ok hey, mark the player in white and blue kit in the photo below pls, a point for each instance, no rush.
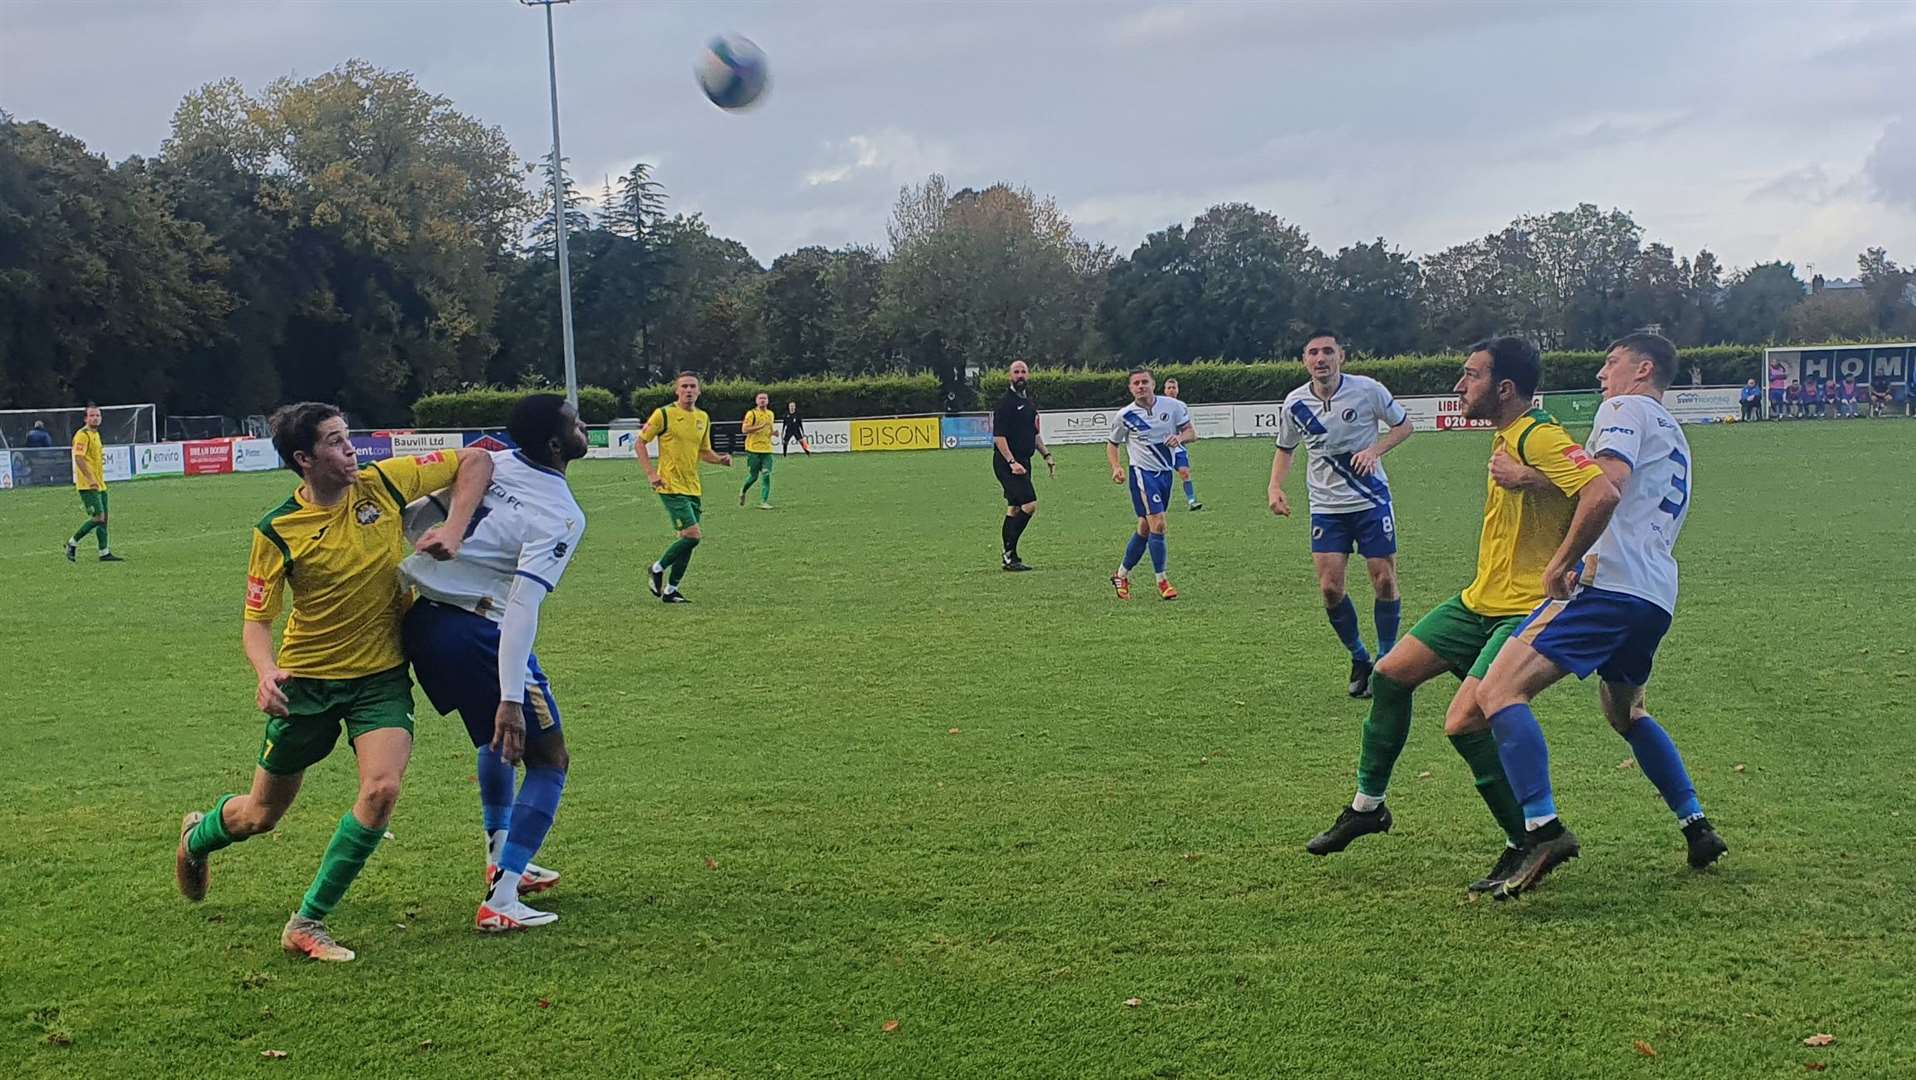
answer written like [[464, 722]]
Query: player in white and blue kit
[[1181, 458], [1612, 590], [469, 636], [1153, 429], [1337, 416]]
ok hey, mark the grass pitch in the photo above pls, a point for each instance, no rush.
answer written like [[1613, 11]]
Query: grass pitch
[[867, 777]]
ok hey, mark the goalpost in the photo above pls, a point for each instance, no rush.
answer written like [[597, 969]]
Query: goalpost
[[118, 424]]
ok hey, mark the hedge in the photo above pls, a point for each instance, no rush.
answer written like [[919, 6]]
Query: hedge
[[1407, 376], [489, 408], [876, 395]]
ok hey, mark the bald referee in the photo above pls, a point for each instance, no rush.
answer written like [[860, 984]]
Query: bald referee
[[1014, 437]]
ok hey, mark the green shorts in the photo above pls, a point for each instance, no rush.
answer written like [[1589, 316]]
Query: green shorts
[[1464, 639], [95, 503], [758, 462], [683, 509], [316, 709]]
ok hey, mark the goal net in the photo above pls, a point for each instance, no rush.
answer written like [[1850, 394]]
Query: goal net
[[118, 424]]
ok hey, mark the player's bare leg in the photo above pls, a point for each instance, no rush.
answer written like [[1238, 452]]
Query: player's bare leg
[[383, 755]]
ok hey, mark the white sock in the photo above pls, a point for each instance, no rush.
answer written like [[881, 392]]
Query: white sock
[[657, 569], [1163, 577], [504, 891], [1531, 824], [1365, 804], [1122, 574], [495, 843], [671, 588]]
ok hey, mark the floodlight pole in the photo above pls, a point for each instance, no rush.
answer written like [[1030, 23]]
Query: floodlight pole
[[558, 209]]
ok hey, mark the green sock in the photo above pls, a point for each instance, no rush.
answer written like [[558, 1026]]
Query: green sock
[[210, 834], [1479, 751], [765, 487], [685, 560], [102, 534], [84, 529], [671, 557], [352, 845], [1385, 730]]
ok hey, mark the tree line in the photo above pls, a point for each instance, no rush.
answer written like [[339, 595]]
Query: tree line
[[354, 237]]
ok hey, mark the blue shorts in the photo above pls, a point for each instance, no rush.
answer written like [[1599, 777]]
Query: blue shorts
[[1150, 491], [1371, 533], [455, 659], [1181, 458], [1612, 634]]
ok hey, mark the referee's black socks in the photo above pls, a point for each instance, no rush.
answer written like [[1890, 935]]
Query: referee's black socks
[[1014, 527]]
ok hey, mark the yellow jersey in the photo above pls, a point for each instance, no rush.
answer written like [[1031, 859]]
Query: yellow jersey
[[342, 562], [88, 453], [759, 442], [1523, 529], [682, 436]]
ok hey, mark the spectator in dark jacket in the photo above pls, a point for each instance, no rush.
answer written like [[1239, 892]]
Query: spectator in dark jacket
[[39, 437]]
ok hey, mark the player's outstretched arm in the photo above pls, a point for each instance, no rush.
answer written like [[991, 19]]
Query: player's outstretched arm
[[469, 484]]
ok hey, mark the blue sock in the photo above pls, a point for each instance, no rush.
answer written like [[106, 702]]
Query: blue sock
[[1344, 621], [1658, 758], [495, 789], [531, 817], [1133, 551], [1190, 492], [1526, 759], [1388, 614], [1156, 544]]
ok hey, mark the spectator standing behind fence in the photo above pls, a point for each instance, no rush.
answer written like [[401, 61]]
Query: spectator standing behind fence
[[1846, 399], [1696, 374], [39, 438], [1779, 380], [1751, 399]]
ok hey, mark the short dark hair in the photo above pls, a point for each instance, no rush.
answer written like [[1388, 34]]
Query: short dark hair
[[1653, 347], [535, 420], [693, 375], [92, 404], [295, 429], [1512, 358], [1137, 371], [1322, 332]]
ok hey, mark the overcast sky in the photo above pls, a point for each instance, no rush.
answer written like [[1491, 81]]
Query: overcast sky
[[1762, 131]]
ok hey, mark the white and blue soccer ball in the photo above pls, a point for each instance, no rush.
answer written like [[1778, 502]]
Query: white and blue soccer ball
[[731, 71]]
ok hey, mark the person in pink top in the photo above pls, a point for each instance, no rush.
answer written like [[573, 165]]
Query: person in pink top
[[1779, 384]]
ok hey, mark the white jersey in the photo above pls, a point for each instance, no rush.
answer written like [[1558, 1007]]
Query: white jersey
[[1334, 430], [1145, 431], [1635, 554], [528, 525]]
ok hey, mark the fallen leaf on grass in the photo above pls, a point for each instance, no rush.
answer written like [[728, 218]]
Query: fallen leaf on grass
[[1132, 1003], [1204, 761], [1645, 1048], [1739, 768], [711, 863], [272, 1055], [545, 1003], [1815, 1066], [1819, 1039], [389, 834], [1627, 763], [888, 1026], [1192, 856], [426, 1045], [951, 731], [59, 1038], [1425, 775]]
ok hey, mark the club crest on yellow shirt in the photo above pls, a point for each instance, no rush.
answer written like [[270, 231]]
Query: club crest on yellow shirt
[[366, 511]]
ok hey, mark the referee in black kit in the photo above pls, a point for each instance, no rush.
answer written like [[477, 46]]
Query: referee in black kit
[[1014, 436]]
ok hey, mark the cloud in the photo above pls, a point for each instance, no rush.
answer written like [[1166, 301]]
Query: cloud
[[891, 154], [1891, 168]]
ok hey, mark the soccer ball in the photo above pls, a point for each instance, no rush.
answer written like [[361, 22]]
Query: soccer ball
[[731, 71]]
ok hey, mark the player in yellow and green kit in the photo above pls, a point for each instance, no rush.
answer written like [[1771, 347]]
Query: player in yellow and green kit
[[336, 543], [89, 478], [684, 434], [1521, 532], [757, 429]]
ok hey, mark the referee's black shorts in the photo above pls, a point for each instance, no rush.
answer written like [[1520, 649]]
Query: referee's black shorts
[[1018, 489]]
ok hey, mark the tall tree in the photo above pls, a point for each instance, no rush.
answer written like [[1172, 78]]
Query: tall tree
[[541, 239], [1375, 299], [1757, 304]]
